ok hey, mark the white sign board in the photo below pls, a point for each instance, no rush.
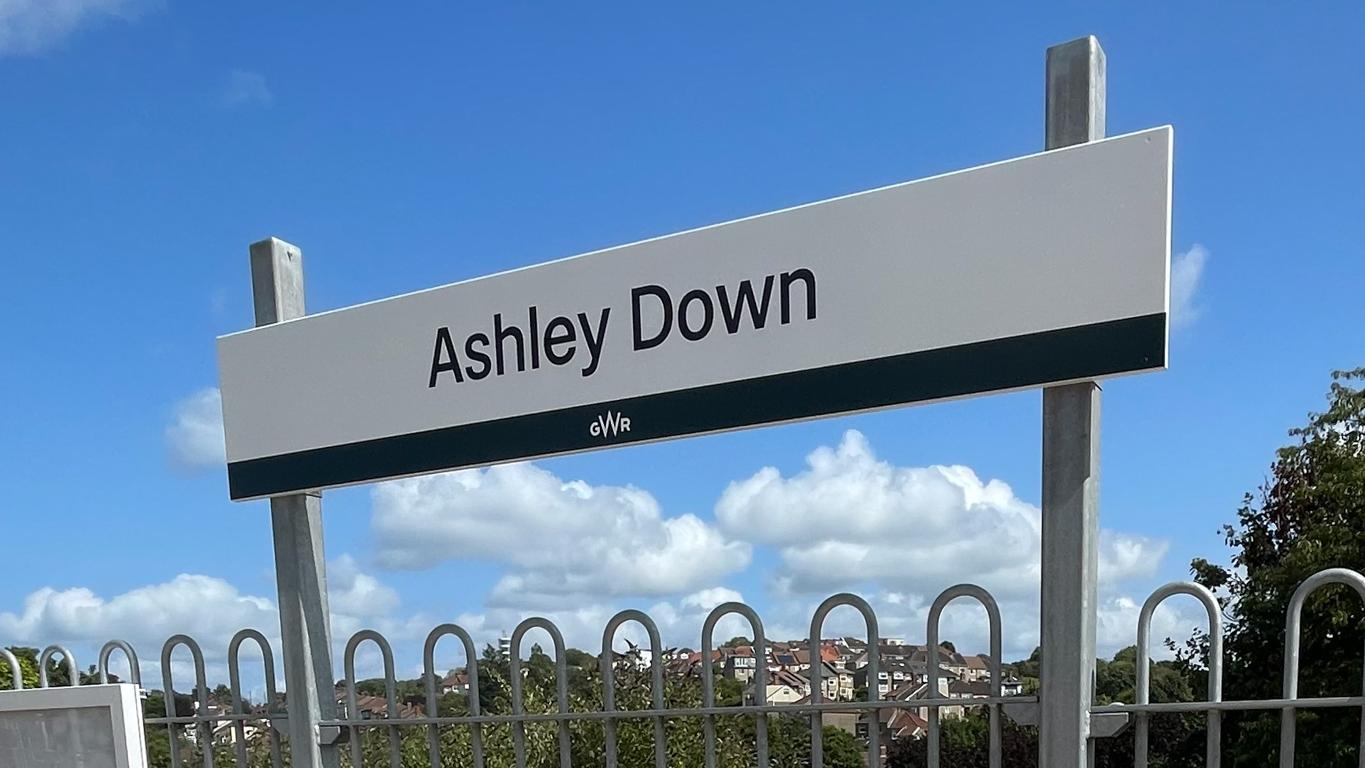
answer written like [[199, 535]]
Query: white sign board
[[88, 726], [1039, 270]]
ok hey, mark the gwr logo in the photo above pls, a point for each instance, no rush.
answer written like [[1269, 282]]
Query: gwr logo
[[609, 425]]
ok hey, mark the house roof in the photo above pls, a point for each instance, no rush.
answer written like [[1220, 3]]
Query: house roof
[[908, 691], [978, 688], [943, 673], [904, 723], [682, 667], [789, 679]]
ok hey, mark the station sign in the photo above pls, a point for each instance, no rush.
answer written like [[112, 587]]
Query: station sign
[[1041, 270]]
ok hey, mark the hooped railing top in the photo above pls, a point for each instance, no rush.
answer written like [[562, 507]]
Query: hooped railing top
[[1215, 704], [1292, 631], [200, 686], [15, 670], [472, 683], [817, 625], [134, 670], [607, 660], [239, 726], [931, 642], [1213, 739], [72, 668], [390, 692], [708, 685], [561, 688]]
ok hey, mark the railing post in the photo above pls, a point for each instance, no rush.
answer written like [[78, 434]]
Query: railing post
[[296, 522], [1071, 463]]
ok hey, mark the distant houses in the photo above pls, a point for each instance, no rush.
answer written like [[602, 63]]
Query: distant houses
[[455, 682], [793, 673], [845, 673], [377, 708]]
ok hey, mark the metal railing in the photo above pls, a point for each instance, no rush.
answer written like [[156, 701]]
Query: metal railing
[[204, 721], [1214, 705], [973, 592], [351, 725], [609, 716]]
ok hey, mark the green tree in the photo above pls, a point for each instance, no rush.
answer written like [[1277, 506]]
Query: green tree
[[789, 737], [28, 663], [1116, 679], [159, 736], [1307, 516], [789, 744], [964, 742], [1176, 741], [729, 692], [842, 749]]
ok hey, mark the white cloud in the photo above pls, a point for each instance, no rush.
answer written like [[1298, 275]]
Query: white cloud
[[354, 593], [1187, 269], [207, 608], [1117, 620], [851, 518], [852, 521], [31, 26], [244, 88], [564, 539], [1125, 557], [195, 436], [708, 599], [849, 521]]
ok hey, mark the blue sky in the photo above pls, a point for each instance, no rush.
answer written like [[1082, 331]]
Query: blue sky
[[145, 145]]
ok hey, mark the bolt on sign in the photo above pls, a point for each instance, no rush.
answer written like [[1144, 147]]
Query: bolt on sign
[[1041, 270]]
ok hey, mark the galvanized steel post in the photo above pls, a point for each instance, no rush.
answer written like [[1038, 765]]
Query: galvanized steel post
[[1071, 465], [296, 521]]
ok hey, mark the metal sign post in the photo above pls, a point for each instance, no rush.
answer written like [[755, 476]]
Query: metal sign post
[[296, 521], [1071, 466]]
